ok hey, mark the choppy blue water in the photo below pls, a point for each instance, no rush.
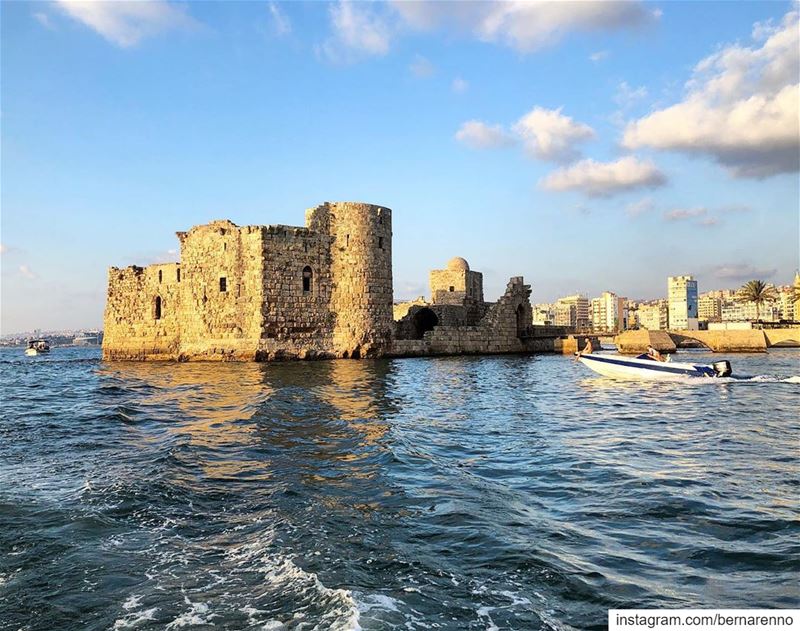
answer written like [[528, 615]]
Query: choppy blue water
[[456, 493]]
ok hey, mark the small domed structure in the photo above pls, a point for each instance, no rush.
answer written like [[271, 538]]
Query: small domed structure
[[457, 264]]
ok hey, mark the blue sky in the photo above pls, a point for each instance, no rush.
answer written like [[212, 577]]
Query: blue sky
[[586, 146]]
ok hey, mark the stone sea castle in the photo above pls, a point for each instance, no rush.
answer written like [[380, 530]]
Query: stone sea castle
[[261, 293]]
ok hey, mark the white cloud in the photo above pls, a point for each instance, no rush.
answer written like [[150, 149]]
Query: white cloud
[[599, 56], [459, 85], [281, 24], [736, 208], [644, 205], [679, 214], [479, 135], [421, 67], [604, 179], [742, 272], [126, 22], [627, 96], [358, 31], [44, 20], [3, 248], [26, 272], [703, 215], [525, 25], [742, 107], [549, 135]]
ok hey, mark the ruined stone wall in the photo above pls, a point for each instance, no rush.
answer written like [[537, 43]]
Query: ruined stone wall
[[279, 292], [400, 309], [512, 314], [635, 342], [361, 274], [222, 291], [408, 327], [502, 330], [142, 315], [296, 316]]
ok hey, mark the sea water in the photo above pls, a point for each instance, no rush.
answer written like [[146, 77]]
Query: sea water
[[502, 492]]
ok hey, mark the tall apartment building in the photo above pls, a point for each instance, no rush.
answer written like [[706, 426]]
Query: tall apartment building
[[709, 308], [653, 316], [577, 306], [609, 312], [682, 297], [564, 315], [786, 302], [796, 296], [543, 313]]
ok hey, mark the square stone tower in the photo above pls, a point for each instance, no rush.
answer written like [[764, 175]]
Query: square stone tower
[[456, 285]]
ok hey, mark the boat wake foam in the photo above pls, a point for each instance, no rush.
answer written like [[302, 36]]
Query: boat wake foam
[[761, 379]]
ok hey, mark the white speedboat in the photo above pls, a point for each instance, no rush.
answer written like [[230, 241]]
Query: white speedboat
[[645, 367], [37, 347]]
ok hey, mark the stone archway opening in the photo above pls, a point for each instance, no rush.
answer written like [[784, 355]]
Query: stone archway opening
[[522, 325], [690, 342], [423, 320]]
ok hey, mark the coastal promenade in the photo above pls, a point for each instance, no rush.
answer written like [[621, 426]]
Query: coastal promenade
[[727, 341]]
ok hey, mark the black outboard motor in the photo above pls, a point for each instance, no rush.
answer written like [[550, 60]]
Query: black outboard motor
[[722, 368]]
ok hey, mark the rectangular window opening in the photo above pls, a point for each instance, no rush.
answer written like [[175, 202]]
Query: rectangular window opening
[[223, 283], [452, 288], [178, 274], [380, 242]]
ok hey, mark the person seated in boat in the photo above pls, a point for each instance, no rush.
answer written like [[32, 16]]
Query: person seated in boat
[[589, 348], [654, 354]]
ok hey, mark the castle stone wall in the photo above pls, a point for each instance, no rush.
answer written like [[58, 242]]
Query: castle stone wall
[[222, 289], [361, 272], [400, 309], [132, 329], [261, 292], [274, 292], [504, 328], [296, 320], [466, 286]]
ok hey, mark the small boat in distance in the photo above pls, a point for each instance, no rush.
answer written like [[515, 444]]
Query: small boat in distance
[[645, 367], [37, 347]]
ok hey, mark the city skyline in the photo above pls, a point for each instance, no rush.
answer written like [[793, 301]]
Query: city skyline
[[121, 127], [682, 307]]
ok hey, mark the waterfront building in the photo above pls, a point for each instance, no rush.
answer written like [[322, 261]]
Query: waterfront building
[[750, 312], [261, 291], [682, 296], [564, 314], [578, 310], [796, 294], [785, 302], [609, 313], [543, 314], [709, 308], [273, 292], [653, 316]]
